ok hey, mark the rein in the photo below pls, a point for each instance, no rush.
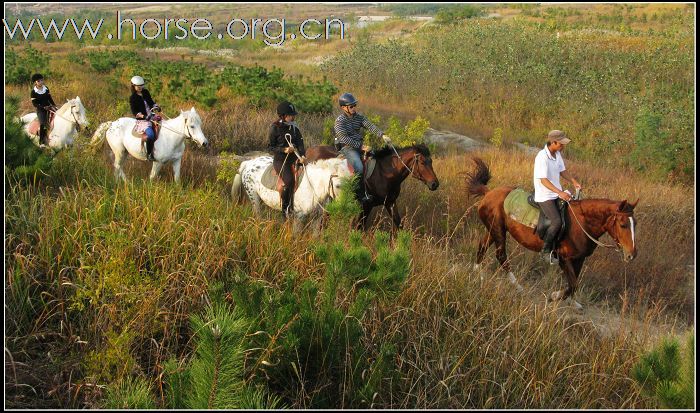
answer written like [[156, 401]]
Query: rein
[[415, 159], [331, 190], [187, 135], [75, 120], [584, 231]]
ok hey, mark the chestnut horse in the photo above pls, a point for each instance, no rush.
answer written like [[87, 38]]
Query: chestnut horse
[[589, 219], [390, 171]]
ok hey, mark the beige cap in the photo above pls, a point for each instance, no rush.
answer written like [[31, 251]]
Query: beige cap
[[558, 136]]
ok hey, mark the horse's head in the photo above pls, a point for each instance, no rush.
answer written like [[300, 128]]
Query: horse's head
[[621, 227], [422, 168], [339, 170], [76, 112], [193, 127]]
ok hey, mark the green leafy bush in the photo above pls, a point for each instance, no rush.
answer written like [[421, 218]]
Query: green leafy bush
[[24, 161], [667, 375], [19, 67]]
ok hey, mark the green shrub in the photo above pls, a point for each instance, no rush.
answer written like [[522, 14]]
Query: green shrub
[[667, 375], [24, 161], [312, 346], [129, 393]]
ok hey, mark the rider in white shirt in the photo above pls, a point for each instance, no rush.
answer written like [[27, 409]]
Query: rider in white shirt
[[549, 166]]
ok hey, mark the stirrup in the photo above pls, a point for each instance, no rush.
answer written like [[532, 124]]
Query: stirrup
[[150, 157], [550, 257]]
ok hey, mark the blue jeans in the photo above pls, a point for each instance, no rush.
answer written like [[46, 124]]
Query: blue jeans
[[150, 133], [353, 155]]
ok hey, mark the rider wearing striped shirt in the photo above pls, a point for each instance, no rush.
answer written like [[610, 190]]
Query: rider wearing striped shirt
[[349, 139]]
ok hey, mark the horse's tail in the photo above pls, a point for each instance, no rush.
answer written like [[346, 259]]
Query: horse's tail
[[98, 137], [477, 180], [237, 189]]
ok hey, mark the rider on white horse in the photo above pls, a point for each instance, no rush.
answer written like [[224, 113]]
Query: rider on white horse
[[43, 102], [143, 107], [283, 133]]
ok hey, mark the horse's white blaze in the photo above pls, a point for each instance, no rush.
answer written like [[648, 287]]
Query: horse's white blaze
[[321, 182], [632, 230]]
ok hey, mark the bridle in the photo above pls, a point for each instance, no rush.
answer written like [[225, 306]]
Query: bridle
[[187, 133], [75, 120], [577, 197], [415, 161]]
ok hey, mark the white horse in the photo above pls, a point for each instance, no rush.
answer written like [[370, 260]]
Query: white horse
[[68, 120], [169, 147], [320, 183]]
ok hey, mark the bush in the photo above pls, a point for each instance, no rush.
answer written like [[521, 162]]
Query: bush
[[667, 375], [24, 161], [19, 68], [312, 348]]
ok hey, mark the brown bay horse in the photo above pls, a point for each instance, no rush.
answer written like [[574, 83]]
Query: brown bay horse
[[390, 171], [593, 216]]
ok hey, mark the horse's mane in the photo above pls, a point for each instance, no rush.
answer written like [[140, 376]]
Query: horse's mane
[[387, 150], [64, 108]]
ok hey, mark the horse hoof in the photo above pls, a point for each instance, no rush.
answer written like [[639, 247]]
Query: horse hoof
[[556, 296], [576, 306]]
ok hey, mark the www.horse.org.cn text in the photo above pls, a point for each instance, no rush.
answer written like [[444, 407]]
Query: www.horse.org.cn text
[[274, 32]]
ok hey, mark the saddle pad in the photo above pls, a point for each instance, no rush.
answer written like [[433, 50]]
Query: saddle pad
[[269, 178], [518, 209], [369, 167], [141, 126], [33, 127]]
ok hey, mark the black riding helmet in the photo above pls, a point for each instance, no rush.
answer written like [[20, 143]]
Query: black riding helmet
[[347, 99], [36, 77], [286, 108]]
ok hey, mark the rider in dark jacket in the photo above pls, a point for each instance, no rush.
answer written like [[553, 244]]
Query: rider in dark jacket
[[143, 107], [283, 132], [43, 102]]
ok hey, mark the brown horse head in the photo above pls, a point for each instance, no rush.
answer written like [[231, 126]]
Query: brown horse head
[[621, 227], [416, 159]]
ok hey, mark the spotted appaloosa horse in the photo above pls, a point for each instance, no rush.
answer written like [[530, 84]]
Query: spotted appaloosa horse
[[319, 185], [391, 170], [594, 216]]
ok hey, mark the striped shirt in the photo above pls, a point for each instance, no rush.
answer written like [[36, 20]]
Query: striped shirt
[[347, 130]]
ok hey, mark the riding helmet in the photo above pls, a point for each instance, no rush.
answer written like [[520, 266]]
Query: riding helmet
[[36, 77], [347, 99], [137, 81], [286, 108]]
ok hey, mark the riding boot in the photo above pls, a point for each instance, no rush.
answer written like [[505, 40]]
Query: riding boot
[[149, 150], [363, 196], [43, 135], [286, 202], [547, 252]]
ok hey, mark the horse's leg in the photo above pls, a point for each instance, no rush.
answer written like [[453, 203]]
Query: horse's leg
[[394, 213], [570, 268], [119, 156], [362, 220], [176, 169], [499, 237], [155, 169]]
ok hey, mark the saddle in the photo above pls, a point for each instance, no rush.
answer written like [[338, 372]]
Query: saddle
[[270, 178], [33, 127], [368, 160], [521, 207], [141, 126]]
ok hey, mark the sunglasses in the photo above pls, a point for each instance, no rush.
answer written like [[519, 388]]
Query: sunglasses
[[351, 106]]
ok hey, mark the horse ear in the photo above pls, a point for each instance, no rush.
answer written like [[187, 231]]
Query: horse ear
[[622, 206], [634, 204], [192, 110]]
